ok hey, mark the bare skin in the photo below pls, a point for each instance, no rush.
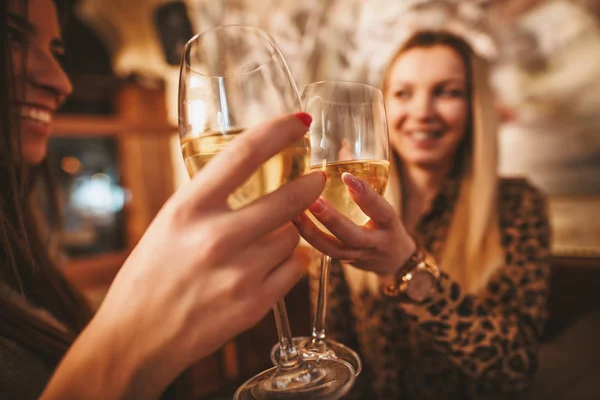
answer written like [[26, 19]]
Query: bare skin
[[427, 110]]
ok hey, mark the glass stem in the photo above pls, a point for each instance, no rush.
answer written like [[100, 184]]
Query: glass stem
[[318, 333], [288, 355]]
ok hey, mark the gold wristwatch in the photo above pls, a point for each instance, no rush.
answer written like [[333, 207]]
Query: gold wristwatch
[[416, 281]]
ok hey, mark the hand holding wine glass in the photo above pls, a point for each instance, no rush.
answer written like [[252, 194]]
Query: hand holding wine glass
[[350, 139], [381, 245], [201, 274], [349, 136], [233, 77]]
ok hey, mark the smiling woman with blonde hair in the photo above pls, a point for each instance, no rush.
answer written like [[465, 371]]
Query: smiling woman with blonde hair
[[443, 292], [473, 236]]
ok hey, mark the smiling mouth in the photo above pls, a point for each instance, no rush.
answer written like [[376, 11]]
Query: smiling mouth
[[426, 135], [36, 114]]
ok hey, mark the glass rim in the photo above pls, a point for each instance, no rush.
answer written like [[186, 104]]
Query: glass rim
[[275, 50], [369, 88]]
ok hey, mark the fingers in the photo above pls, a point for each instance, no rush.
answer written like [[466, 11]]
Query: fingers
[[324, 242], [280, 281], [238, 161], [271, 250], [277, 208], [370, 202], [338, 224]]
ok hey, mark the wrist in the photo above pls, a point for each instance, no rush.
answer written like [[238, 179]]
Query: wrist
[[408, 249], [416, 280]]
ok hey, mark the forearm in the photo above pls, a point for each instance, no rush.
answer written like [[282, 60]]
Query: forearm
[[107, 362]]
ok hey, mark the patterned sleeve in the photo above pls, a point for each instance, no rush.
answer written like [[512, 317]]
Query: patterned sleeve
[[493, 337]]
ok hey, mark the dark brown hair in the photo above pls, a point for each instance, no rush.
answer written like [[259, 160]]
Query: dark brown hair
[[26, 266]]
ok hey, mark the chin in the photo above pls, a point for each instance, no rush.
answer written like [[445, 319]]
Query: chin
[[424, 163], [426, 160], [34, 155], [34, 144]]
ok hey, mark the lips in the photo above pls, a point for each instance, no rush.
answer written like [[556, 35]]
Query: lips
[[37, 114], [426, 135], [36, 118], [424, 139]]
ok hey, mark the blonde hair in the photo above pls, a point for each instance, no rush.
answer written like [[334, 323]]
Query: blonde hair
[[472, 250]]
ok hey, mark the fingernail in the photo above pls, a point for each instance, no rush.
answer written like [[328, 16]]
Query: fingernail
[[352, 182], [304, 118], [317, 207], [319, 172], [299, 218]]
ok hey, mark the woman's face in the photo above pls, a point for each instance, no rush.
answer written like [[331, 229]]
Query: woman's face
[[427, 106], [42, 85]]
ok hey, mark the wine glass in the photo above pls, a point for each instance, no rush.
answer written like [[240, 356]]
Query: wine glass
[[233, 77], [349, 134]]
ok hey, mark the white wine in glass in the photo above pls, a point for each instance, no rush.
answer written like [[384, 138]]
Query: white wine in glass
[[374, 172], [233, 77], [349, 134], [280, 169]]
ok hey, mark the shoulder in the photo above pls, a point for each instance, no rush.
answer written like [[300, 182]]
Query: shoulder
[[22, 374], [519, 189], [517, 196], [523, 212]]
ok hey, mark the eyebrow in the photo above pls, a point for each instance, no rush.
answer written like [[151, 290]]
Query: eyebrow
[[23, 23], [445, 81], [57, 44]]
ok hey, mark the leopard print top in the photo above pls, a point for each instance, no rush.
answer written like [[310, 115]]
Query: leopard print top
[[456, 345]]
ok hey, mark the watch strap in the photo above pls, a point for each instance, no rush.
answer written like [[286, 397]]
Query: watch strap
[[420, 259]]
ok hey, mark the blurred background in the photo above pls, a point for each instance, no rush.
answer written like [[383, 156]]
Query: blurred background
[[116, 150]]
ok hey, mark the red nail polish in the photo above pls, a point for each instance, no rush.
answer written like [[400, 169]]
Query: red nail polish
[[299, 219], [304, 118], [317, 207]]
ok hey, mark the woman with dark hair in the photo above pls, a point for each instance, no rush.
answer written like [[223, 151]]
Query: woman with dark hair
[[444, 291], [201, 274]]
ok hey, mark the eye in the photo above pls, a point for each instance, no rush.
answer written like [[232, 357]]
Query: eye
[[59, 53], [403, 94], [16, 36], [450, 92]]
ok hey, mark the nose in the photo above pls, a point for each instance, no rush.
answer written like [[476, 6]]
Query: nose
[[421, 106], [46, 73]]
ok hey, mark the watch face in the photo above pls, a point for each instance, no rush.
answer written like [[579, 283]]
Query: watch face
[[420, 285]]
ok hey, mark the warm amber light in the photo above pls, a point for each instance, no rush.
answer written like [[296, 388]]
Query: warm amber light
[[71, 165]]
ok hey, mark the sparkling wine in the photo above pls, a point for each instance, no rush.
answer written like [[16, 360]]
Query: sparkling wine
[[374, 172], [289, 164]]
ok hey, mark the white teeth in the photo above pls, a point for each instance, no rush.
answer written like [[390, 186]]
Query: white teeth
[[420, 135], [36, 114]]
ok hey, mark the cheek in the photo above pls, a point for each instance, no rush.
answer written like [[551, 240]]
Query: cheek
[[33, 147], [454, 115], [396, 114], [19, 73]]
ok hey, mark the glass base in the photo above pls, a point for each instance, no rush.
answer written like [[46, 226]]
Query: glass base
[[332, 350], [318, 380]]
